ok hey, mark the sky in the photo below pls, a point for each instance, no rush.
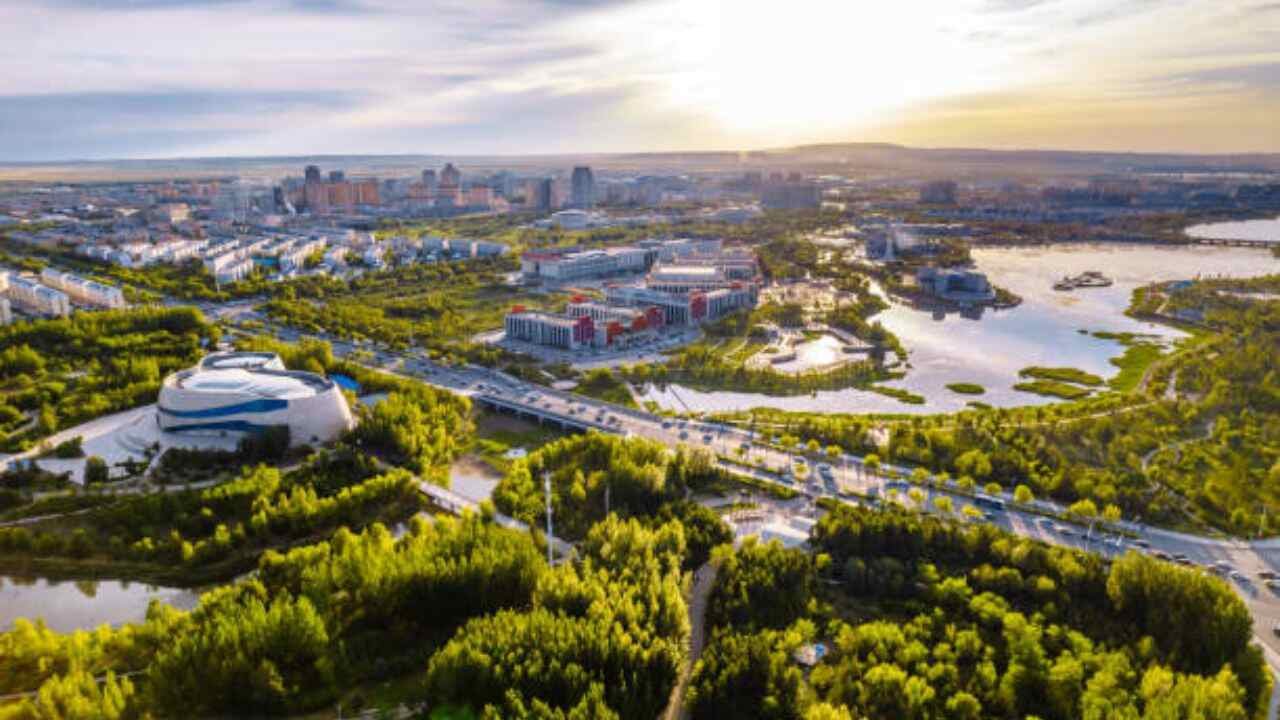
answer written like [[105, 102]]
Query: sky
[[96, 79]]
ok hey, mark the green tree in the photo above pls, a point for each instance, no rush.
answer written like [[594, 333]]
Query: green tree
[[96, 470], [1023, 495]]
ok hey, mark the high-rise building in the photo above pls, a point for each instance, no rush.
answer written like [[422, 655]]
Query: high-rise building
[[449, 191], [314, 196], [337, 193], [450, 176], [429, 182], [584, 188], [543, 194], [938, 192]]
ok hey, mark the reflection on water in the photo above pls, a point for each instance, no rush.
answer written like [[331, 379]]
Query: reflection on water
[[990, 350], [817, 353], [83, 604], [1264, 230]]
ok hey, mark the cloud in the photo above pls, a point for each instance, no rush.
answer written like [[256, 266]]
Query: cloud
[[1011, 6], [1258, 76], [304, 6], [74, 125]]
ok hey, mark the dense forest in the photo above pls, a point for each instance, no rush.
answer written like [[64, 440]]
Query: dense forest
[[919, 618], [595, 475], [59, 373], [314, 620], [467, 608]]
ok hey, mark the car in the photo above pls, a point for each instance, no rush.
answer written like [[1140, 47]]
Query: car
[[1064, 530], [1142, 544], [666, 425], [1162, 555], [1267, 575], [1273, 586], [684, 434], [707, 438], [1046, 523]]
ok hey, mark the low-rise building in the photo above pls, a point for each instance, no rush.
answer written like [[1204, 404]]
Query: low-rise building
[[82, 289], [36, 297], [237, 269], [963, 286], [6, 312], [583, 264], [559, 331]]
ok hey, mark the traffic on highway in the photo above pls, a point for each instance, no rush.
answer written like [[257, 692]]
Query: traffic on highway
[[1252, 568]]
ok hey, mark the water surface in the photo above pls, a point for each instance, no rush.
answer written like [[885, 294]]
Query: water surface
[[1258, 230], [990, 350], [83, 604]]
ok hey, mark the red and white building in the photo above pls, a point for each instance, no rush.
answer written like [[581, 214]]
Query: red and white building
[[559, 331]]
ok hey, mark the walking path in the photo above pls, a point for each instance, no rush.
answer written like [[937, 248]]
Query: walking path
[[704, 578]]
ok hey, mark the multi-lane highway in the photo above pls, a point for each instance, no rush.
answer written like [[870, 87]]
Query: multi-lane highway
[[1243, 564]]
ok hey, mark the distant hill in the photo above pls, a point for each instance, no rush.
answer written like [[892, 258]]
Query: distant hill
[[853, 158], [979, 161]]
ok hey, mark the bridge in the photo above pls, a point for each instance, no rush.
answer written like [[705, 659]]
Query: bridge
[[457, 504], [547, 415]]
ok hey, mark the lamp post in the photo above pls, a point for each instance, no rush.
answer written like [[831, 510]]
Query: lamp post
[[546, 488]]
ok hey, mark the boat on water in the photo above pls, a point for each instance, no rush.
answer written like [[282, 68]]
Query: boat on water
[[1089, 278], [1093, 278]]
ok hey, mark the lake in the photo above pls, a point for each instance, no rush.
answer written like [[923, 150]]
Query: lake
[[1264, 230], [83, 604], [990, 350]]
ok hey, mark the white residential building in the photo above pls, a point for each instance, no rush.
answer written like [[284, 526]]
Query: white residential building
[[83, 289], [335, 256], [6, 313], [237, 269], [34, 296]]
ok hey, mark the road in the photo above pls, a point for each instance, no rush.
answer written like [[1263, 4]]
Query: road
[[1242, 560]]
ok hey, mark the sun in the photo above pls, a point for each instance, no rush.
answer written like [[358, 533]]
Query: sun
[[801, 68]]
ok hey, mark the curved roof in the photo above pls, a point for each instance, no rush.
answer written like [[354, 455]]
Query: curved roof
[[280, 384], [223, 360]]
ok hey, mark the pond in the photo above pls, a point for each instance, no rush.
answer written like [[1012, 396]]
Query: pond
[[1257, 230], [991, 349], [345, 382], [83, 604]]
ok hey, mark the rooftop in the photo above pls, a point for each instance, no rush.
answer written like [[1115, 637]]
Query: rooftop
[[281, 384]]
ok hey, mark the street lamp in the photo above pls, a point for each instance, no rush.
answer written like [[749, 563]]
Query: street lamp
[[546, 488]]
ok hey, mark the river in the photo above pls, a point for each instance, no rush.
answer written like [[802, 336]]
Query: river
[[1263, 230], [990, 350], [83, 604]]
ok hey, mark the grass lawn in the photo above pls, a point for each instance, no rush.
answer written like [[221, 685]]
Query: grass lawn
[[1133, 364], [497, 433], [1061, 375], [602, 384], [1052, 388]]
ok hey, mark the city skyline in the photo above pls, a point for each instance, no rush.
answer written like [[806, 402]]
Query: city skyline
[[102, 79]]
